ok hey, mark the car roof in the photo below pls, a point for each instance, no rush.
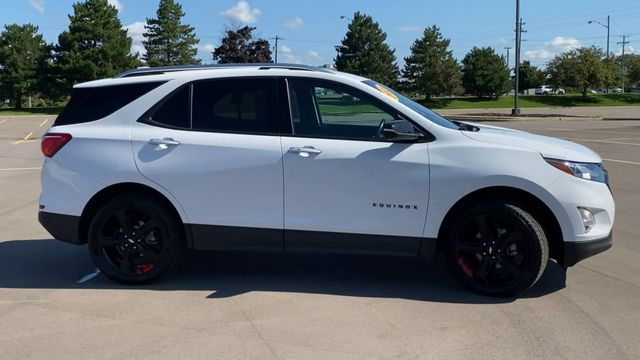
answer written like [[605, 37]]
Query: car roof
[[196, 72]]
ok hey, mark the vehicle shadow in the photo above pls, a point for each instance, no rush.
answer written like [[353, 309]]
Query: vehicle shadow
[[51, 264]]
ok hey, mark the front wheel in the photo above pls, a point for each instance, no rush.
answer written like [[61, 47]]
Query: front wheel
[[497, 249], [134, 239]]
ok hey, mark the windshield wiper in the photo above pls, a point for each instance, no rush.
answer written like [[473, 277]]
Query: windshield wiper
[[465, 127]]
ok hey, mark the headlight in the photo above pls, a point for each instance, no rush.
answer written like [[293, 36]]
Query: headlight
[[587, 171]]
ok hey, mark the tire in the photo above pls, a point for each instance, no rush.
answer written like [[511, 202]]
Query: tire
[[497, 249], [135, 239]]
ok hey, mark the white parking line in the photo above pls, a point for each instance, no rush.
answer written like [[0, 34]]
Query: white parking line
[[2, 121], [44, 122], [23, 140], [623, 161], [604, 141], [24, 168], [89, 276]]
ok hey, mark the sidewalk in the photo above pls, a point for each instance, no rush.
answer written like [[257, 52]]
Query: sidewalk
[[574, 113]]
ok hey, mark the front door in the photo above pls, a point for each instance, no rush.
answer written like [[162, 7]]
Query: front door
[[347, 187]]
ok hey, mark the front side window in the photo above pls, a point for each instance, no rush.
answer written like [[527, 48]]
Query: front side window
[[323, 109], [235, 105]]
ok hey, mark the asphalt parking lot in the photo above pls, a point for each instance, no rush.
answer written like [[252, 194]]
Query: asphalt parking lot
[[287, 306]]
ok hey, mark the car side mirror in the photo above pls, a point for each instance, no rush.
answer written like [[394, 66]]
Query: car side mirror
[[391, 134]]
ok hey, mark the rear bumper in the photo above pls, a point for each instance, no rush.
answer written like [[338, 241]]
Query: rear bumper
[[62, 227], [578, 251]]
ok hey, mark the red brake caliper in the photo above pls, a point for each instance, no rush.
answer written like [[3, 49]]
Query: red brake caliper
[[468, 270], [142, 269]]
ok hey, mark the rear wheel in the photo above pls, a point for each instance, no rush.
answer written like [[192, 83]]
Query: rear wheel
[[497, 249], [135, 239]]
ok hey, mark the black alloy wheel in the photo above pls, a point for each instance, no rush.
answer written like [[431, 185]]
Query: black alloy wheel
[[134, 239], [498, 249]]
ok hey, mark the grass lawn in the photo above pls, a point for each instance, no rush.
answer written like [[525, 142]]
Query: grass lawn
[[31, 111], [532, 101]]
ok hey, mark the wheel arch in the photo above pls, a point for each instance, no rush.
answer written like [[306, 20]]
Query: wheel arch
[[530, 202], [111, 191]]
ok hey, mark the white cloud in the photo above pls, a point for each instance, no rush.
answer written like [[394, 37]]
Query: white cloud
[[207, 48], [37, 5], [116, 3], [135, 32], [556, 46], [294, 23], [409, 28], [565, 44], [243, 13], [287, 55]]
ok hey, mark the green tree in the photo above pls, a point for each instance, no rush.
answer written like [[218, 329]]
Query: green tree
[[23, 52], [581, 69], [485, 73], [239, 46], [431, 68], [167, 40], [530, 76], [364, 52], [633, 69], [95, 46]]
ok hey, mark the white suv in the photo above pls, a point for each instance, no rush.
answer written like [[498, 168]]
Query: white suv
[[296, 158]]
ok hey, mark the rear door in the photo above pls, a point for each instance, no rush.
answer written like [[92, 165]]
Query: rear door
[[214, 145], [348, 188]]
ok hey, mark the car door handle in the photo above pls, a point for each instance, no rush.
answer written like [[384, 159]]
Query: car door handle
[[304, 149], [164, 141]]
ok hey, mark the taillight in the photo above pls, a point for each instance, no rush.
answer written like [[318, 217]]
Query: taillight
[[52, 142]]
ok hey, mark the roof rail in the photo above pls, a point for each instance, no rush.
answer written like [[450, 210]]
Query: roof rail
[[142, 71]]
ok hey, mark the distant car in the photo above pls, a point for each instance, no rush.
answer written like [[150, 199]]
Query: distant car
[[548, 90], [613, 90]]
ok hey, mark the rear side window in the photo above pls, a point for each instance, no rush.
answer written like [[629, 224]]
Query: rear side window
[[173, 112], [90, 104], [235, 105]]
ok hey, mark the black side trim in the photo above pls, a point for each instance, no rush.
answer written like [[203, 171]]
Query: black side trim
[[578, 251], [320, 241], [214, 237], [61, 227]]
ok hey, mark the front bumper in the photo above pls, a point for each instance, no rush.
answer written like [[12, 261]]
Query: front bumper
[[578, 251], [62, 227]]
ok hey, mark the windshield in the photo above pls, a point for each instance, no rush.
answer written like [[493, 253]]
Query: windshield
[[426, 113]]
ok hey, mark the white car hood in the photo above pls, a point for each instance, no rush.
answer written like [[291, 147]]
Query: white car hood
[[547, 146]]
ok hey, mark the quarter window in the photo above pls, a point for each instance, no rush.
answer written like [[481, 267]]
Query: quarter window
[[173, 112], [90, 104], [235, 105]]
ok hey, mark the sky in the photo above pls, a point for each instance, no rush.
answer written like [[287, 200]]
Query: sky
[[311, 28]]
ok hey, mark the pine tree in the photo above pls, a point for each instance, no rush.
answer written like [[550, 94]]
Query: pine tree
[[364, 51], [167, 40], [239, 46], [431, 68], [23, 52], [95, 46], [485, 73]]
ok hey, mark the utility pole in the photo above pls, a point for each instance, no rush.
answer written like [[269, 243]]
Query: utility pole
[[516, 110], [508, 48], [276, 52], [608, 33], [623, 43]]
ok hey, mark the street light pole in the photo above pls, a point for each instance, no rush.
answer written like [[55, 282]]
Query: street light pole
[[516, 110], [608, 26]]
